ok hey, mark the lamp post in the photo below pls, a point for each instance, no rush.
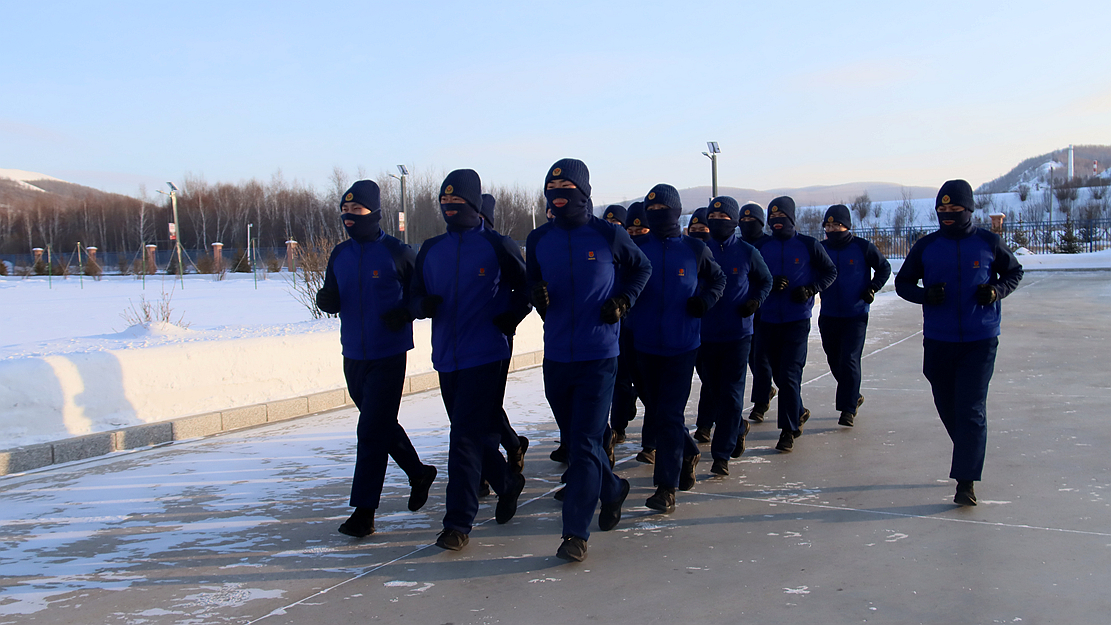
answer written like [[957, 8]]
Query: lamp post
[[175, 231], [401, 215], [712, 154]]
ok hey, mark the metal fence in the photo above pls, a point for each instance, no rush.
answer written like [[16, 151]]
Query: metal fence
[[132, 262], [1058, 237]]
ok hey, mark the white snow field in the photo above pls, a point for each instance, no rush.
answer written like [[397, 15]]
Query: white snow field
[[71, 365]]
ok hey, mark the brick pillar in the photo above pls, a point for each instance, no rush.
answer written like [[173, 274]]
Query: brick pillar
[[291, 255], [152, 266], [218, 258], [997, 222], [92, 255], [38, 254]]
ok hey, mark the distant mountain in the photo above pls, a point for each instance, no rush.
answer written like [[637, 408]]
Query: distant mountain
[[16, 185], [823, 196], [1039, 169]]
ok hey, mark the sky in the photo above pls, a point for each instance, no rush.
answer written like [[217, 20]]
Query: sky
[[118, 94]]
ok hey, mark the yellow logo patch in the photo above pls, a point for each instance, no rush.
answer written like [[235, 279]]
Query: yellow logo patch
[[748, 212], [636, 222], [590, 256], [694, 220], [374, 274], [349, 197], [557, 171], [717, 204], [449, 190], [774, 209], [652, 195], [830, 220], [945, 199], [682, 272]]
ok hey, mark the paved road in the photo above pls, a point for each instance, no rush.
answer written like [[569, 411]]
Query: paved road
[[856, 525]]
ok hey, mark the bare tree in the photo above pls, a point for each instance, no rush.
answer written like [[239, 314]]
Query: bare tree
[[862, 207]]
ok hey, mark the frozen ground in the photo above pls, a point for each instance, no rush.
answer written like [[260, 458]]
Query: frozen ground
[[70, 364], [855, 526]]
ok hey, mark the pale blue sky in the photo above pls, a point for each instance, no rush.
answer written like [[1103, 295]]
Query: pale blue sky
[[110, 94]]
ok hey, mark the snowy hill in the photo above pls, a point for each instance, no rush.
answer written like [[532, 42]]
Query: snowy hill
[[1036, 171]]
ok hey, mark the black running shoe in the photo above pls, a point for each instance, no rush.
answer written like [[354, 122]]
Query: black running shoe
[[647, 456], [560, 453], [786, 442], [573, 549], [663, 500], [452, 540], [965, 496], [361, 523], [740, 447], [517, 458], [758, 412], [610, 514], [507, 502], [846, 418], [721, 467], [418, 493], [702, 434], [687, 478]]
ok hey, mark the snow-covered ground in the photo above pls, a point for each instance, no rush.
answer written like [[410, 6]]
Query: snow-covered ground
[[71, 365]]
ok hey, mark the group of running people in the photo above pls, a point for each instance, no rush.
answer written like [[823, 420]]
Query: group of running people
[[632, 307]]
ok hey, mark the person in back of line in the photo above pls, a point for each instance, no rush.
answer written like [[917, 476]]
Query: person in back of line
[[752, 232], [843, 319]]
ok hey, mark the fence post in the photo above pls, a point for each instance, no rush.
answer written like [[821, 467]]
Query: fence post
[[291, 255], [218, 258]]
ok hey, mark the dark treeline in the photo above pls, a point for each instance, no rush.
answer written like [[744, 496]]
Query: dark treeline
[[278, 210]]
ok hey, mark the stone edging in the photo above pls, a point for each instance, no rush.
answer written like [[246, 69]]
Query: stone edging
[[20, 459]]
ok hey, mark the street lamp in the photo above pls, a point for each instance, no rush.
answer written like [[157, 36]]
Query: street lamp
[[174, 230], [401, 215], [714, 150]]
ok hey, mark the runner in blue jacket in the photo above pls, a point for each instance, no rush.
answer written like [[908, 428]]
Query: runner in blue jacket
[[367, 283], [685, 283], [727, 335], [470, 281], [584, 275], [800, 269], [964, 272], [843, 319], [752, 232]]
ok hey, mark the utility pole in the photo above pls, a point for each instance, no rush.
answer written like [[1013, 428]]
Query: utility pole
[[712, 154], [174, 230], [401, 225]]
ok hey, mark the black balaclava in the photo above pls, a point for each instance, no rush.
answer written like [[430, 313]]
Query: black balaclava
[[663, 222], [955, 193], [839, 214], [782, 211], [579, 209], [365, 227], [698, 217], [751, 231], [466, 184], [722, 229]]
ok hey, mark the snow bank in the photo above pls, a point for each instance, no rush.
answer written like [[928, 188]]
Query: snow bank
[[64, 379]]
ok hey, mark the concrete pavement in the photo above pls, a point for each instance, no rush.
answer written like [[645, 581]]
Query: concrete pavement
[[856, 525]]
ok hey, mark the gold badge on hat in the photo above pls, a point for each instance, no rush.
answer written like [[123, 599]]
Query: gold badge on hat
[[747, 212], [557, 171], [775, 209], [945, 199], [636, 222], [717, 204], [830, 219], [449, 190], [652, 195], [349, 197]]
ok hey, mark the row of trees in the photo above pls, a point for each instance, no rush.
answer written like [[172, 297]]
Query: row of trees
[[278, 210]]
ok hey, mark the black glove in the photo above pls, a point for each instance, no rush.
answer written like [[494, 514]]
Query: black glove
[[328, 301], [868, 295], [748, 308], [780, 283], [986, 295], [696, 306], [614, 309], [539, 297], [803, 293], [395, 318], [506, 322], [935, 295], [429, 304]]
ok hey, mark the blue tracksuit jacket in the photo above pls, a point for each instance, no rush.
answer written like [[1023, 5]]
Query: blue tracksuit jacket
[[746, 277], [370, 278], [579, 267], [480, 274], [682, 267], [962, 264], [805, 263], [856, 260]]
